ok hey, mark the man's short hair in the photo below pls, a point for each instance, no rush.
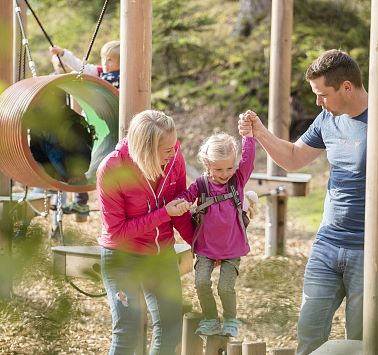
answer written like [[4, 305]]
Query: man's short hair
[[336, 66]]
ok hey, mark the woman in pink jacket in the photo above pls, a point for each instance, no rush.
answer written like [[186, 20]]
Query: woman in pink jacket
[[136, 186]]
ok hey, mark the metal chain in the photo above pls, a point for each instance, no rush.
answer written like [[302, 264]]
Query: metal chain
[[85, 59], [59, 217], [45, 204], [25, 41], [44, 32], [59, 208]]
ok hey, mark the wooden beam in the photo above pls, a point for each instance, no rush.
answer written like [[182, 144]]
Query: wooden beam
[[253, 348], [215, 344], [84, 261], [191, 342], [279, 109], [6, 78], [6, 63], [370, 322], [280, 74], [290, 185], [6, 40], [136, 60], [234, 347]]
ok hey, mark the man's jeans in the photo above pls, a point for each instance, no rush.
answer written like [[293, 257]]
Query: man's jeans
[[125, 277], [331, 274]]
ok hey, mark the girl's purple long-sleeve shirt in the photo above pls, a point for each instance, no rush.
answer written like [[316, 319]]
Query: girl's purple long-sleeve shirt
[[222, 236]]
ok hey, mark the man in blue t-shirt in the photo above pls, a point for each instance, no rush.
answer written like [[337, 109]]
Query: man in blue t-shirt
[[335, 266]]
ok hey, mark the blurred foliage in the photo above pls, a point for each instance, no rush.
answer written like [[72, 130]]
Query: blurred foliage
[[196, 60], [323, 25]]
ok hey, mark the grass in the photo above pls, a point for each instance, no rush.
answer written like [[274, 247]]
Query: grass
[[308, 209]]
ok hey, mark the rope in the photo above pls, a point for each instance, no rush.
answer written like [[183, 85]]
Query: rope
[[39, 213], [20, 60], [25, 41], [93, 38], [77, 288], [44, 32]]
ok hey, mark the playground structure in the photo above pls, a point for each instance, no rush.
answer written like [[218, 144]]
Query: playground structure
[[136, 30]]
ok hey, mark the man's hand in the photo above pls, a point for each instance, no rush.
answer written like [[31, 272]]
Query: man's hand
[[244, 126], [250, 125], [177, 207]]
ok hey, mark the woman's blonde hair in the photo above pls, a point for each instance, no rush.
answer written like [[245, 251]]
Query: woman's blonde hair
[[112, 49], [145, 132], [220, 146]]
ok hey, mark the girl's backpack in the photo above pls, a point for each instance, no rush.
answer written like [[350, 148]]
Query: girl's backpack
[[205, 200]]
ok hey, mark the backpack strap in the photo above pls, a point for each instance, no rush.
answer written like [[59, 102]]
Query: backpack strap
[[205, 200], [232, 185], [203, 190]]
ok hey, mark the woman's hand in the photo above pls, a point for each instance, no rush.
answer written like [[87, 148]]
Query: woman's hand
[[177, 207]]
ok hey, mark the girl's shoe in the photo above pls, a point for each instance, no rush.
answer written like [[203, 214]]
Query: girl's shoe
[[231, 327], [209, 327]]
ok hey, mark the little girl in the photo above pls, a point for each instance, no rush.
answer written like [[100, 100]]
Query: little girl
[[221, 237]]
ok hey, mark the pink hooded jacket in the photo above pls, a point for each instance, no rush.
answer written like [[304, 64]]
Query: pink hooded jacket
[[134, 218]]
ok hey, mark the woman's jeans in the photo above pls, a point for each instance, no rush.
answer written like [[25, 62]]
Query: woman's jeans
[[125, 277], [331, 274], [229, 271]]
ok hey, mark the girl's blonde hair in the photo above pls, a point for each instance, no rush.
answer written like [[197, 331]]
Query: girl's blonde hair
[[112, 49], [145, 132], [220, 146]]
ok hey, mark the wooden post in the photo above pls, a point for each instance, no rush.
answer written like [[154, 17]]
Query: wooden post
[[215, 344], [271, 226], [6, 271], [282, 351], [281, 223], [253, 348], [136, 47], [135, 78], [279, 110], [192, 343], [234, 348], [6, 79], [6, 63], [370, 339]]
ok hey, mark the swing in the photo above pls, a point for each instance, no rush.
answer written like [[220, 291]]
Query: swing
[[97, 99]]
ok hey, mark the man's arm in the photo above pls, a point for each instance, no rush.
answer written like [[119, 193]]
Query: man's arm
[[289, 156]]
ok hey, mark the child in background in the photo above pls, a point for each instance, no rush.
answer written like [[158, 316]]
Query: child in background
[[110, 62], [109, 71], [221, 237]]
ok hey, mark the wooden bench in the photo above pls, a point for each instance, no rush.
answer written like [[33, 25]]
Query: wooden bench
[[83, 261], [294, 184]]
